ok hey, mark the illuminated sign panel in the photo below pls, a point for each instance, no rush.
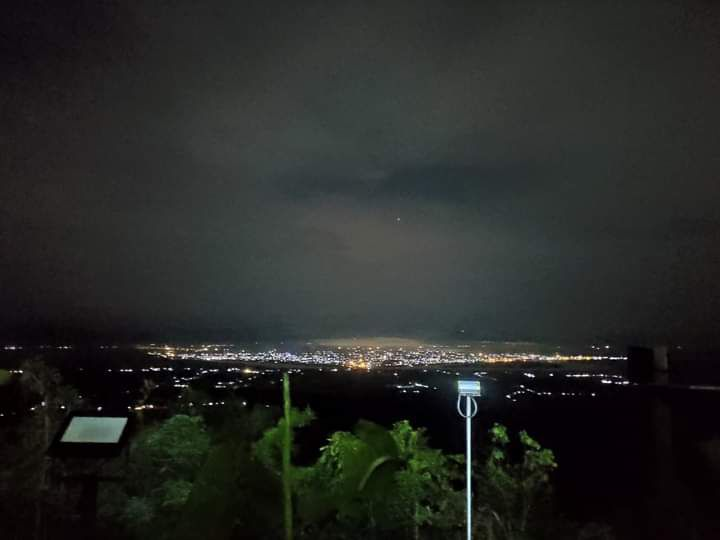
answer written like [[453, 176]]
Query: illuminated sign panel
[[469, 388], [91, 435], [94, 429]]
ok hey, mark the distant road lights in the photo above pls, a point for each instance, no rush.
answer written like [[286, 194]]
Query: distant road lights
[[468, 389]]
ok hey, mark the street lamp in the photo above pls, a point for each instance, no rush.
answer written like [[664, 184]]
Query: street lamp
[[468, 389]]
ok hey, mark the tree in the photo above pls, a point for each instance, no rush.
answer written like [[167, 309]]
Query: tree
[[164, 464], [233, 496], [375, 480], [148, 385], [190, 401], [511, 492], [24, 486], [426, 482]]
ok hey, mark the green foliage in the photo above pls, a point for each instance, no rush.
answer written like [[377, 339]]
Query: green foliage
[[352, 474], [372, 482], [173, 494], [177, 448], [165, 461], [138, 514], [186, 476], [268, 450], [212, 502], [376, 479], [427, 481], [512, 492], [5, 376]]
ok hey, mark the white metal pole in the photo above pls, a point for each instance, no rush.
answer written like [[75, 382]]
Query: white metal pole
[[468, 464]]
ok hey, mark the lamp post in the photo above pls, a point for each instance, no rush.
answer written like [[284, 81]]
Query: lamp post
[[468, 389]]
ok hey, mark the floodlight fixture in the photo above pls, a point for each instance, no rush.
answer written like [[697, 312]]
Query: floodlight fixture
[[468, 389]]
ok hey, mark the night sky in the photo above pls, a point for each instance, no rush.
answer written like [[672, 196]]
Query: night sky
[[539, 170]]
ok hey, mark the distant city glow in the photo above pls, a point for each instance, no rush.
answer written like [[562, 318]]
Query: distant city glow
[[231, 372], [363, 358]]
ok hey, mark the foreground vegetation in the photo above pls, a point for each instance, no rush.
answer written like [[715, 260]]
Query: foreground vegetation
[[232, 474]]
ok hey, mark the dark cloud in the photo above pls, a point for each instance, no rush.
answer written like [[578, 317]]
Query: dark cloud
[[517, 170]]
